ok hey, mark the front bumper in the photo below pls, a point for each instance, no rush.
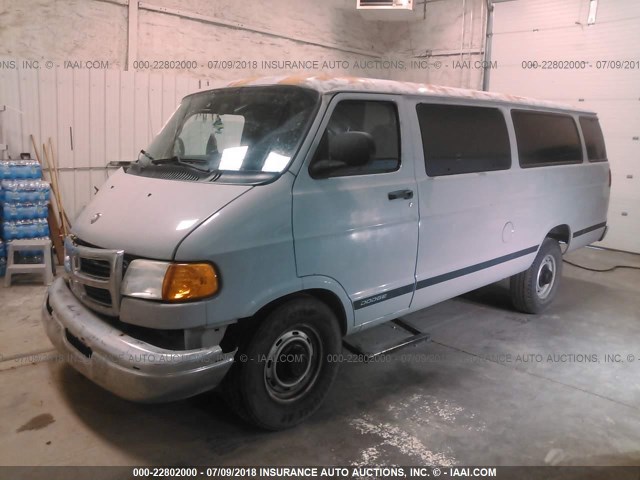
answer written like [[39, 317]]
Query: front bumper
[[127, 367]]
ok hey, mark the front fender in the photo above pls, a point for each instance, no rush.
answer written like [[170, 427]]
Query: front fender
[[321, 282]]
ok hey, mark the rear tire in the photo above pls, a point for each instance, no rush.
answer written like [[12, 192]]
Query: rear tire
[[284, 372], [533, 290]]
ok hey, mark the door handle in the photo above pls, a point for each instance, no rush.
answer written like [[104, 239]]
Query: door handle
[[401, 194]]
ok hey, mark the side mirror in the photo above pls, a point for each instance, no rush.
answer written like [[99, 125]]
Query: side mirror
[[352, 148]]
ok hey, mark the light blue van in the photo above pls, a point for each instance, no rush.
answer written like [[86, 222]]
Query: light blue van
[[272, 218]]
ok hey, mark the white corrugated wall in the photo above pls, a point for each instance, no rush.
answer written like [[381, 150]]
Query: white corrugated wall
[[92, 116], [539, 30]]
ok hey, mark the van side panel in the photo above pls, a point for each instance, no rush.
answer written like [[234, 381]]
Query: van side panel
[[478, 228], [577, 195], [466, 234]]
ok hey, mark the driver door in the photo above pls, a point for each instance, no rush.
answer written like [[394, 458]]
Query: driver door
[[359, 224]]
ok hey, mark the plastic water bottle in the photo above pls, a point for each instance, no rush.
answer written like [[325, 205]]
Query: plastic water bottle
[[20, 169], [20, 191]]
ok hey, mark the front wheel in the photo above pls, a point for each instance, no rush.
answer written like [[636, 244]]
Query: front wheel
[[284, 372], [534, 289]]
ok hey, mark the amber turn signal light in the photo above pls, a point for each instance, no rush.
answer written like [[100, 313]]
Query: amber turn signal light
[[189, 281]]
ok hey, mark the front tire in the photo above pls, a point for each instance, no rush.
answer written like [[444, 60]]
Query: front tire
[[533, 290], [282, 375]]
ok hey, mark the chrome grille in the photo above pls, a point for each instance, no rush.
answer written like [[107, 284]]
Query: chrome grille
[[95, 268], [99, 295], [95, 275]]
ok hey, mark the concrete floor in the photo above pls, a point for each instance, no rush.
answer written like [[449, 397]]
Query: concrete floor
[[473, 396]]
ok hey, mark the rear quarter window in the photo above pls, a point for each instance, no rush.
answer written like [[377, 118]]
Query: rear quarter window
[[546, 139], [593, 139]]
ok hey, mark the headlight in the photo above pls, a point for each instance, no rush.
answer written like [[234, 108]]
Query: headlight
[[171, 282]]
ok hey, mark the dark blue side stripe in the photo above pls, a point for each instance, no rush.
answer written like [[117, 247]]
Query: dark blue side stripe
[[381, 297], [427, 282], [589, 229]]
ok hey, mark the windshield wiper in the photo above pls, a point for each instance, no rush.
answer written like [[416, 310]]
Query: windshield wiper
[[186, 162], [147, 155]]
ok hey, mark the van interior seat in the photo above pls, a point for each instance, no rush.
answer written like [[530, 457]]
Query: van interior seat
[[386, 141]]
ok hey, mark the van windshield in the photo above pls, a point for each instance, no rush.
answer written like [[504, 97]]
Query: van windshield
[[242, 135]]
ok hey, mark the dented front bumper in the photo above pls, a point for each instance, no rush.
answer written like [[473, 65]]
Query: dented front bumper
[[128, 367]]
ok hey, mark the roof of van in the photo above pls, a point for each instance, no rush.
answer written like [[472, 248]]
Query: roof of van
[[326, 84]]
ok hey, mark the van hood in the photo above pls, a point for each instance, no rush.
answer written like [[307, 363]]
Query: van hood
[[149, 217]]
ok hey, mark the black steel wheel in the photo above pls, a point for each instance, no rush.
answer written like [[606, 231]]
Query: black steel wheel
[[533, 290], [283, 373]]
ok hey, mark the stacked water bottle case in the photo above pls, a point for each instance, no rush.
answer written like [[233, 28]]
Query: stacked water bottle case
[[23, 207]]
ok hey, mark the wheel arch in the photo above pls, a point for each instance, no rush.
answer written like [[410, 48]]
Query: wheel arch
[[327, 297], [560, 233], [241, 331]]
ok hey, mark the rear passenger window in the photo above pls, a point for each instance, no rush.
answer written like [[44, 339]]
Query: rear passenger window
[[546, 138], [458, 139], [593, 139], [375, 122]]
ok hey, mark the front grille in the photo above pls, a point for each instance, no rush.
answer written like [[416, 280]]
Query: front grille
[[95, 268], [95, 275], [99, 295], [126, 258]]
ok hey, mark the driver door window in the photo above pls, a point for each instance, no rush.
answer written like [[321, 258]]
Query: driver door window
[[376, 118]]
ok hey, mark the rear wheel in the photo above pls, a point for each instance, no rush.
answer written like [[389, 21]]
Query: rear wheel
[[534, 289], [284, 372]]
